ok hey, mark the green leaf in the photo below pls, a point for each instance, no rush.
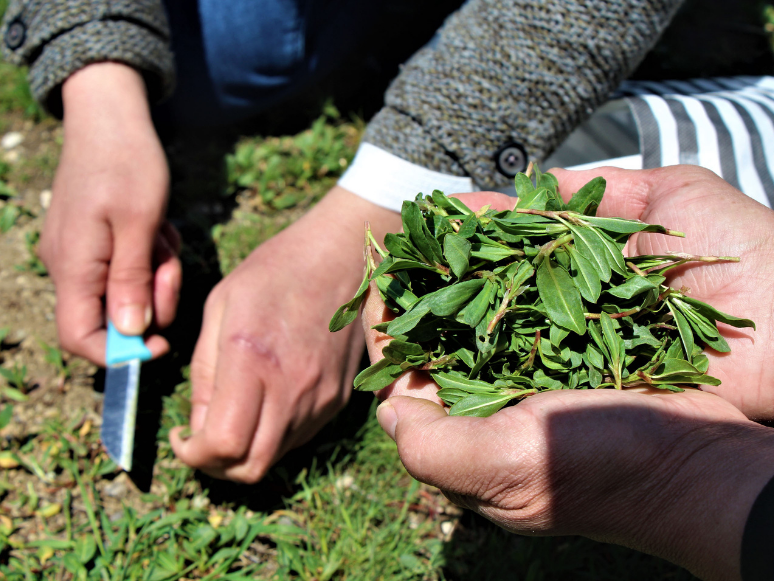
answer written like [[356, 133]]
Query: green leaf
[[587, 199], [415, 228], [703, 326], [451, 395], [684, 328], [11, 392], [409, 319], [456, 250], [399, 247], [455, 381], [397, 351], [584, 275], [540, 379], [475, 310], [593, 249], [8, 217], [680, 371], [468, 226], [700, 362], [594, 357], [442, 201], [480, 405], [622, 225], [85, 548], [530, 227], [71, 563], [523, 185], [448, 300], [537, 199], [549, 182], [492, 252], [712, 313], [557, 335], [718, 343], [400, 264], [615, 257], [642, 336], [466, 356], [378, 376], [347, 313], [5, 416], [393, 289], [615, 347], [632, 287], [560, 297]]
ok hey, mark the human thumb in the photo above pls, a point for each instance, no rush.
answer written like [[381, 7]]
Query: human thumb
[[435, 448], [130, 281]]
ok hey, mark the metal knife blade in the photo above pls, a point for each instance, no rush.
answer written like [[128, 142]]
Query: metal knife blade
[[119, 410]]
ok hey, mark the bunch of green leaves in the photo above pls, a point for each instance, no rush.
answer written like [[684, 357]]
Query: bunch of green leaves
[[497, 306]]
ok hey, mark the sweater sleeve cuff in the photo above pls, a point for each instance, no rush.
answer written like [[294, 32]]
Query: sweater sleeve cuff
[[387, 180], [98, 41]]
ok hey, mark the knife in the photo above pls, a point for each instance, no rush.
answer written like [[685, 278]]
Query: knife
[[123, 356]]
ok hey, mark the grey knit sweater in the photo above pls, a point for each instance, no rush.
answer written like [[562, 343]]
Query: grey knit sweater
[[518, 73]]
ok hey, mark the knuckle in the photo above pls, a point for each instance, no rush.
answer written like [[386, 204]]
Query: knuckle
[[252, 473], [131, 275], [227, 446], [202, 373], [213, 300], [70, 342]]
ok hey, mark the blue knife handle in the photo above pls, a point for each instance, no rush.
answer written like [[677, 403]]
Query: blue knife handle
[[123, 348]]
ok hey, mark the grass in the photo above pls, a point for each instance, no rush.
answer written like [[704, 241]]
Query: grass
[[340, 508]]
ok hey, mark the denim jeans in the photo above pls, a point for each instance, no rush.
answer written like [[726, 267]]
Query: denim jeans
[[235, 58]]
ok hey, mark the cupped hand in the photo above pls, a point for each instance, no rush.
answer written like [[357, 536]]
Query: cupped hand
[[266, 372], [673, 475], [104, 234], [670, 474]]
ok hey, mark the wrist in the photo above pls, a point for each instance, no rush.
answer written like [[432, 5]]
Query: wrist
[[107, 93], [340, 218], [714, 485]]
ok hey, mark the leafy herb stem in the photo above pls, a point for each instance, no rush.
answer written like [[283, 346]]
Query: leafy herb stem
[[532, 352], [370, 238], [620, 315], [549, 247], [636, 269]]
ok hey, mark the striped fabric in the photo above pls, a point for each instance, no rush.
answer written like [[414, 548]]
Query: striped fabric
[[723, 124]]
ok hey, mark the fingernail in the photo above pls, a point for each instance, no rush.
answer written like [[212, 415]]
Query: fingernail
[[133, 319], [387, 417]]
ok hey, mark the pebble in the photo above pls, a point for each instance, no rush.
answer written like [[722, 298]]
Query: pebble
[[12, 139], [11, 156], [200, 501], [45, 199], [345, 482], [116, 489]]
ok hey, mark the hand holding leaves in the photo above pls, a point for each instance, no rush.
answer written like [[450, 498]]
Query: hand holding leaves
[[505, 304]]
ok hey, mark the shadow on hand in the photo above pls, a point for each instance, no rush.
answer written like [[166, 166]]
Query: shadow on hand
[[478, 549]]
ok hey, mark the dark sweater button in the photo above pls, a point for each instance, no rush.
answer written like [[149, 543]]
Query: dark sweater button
[[511, 159], [14, 36]]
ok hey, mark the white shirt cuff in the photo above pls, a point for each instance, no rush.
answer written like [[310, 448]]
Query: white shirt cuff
[[387, 180]]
